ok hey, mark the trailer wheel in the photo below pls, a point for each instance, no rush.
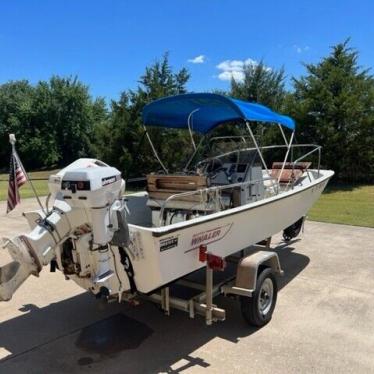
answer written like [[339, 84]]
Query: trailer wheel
[[258, 309]]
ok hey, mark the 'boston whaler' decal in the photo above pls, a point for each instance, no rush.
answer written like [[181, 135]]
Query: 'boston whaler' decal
[[209, 236]]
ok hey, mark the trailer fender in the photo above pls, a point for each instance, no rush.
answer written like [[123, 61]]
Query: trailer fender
[[247, 270]]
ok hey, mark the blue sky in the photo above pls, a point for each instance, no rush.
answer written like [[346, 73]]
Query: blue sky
[[107, 44]]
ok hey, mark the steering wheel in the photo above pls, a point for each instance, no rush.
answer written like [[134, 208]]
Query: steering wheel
[[213, 166]]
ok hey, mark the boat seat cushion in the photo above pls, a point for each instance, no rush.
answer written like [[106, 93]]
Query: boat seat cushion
[[291, 172]]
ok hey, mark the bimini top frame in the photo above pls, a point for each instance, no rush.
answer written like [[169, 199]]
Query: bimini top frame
[[202, 112]]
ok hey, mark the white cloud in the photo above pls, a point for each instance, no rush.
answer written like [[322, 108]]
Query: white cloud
[[197, 60], [234, 69], [228, 75], [300, 49]]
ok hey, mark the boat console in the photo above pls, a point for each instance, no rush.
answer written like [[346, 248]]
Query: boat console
[[185, 196]]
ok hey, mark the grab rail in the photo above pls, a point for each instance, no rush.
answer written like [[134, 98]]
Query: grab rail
[[316, 147], [215, 190]]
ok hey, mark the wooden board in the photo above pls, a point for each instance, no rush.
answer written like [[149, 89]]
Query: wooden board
[[160, 187], [289, 165], [288, 175], [291, 172]]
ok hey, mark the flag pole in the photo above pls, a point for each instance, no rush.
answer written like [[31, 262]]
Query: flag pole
[[12, 141]]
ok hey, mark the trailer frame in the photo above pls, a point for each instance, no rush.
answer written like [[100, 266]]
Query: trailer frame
[[201, 303]]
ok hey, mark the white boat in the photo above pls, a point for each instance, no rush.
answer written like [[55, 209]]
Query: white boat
[[125, 248]]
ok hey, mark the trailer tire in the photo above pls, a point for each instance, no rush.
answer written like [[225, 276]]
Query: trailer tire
[[258, 309]]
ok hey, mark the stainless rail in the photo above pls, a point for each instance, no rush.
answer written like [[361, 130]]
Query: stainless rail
[[291, 147], [214, 192], [263, 148], [318, 148]]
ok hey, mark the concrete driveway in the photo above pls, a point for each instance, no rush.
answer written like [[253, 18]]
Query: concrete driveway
[[323, 321]]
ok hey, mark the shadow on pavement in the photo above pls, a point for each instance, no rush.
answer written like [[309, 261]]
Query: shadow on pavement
[[83, 333]]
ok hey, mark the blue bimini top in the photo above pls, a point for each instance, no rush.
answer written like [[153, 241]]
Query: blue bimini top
[[207, 111]]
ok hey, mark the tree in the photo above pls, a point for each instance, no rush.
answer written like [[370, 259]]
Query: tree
[[159, 81], [121, 141], [333, 105], [16, 100], [53, 121], [265, 86], [262, 85], [67, 112]]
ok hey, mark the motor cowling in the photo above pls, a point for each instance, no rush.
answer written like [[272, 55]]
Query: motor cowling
[[88, 210]]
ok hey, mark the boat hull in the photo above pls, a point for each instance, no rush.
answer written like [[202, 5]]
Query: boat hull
[[162, 255]]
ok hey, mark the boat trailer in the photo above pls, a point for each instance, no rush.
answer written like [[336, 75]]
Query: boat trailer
[[235, 276]]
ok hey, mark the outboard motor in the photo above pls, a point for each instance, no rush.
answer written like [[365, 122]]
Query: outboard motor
[[88, 213]]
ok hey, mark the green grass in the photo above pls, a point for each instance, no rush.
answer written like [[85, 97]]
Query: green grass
[[346, 204], [41, 186]]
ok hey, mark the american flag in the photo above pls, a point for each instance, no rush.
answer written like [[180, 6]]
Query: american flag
[[17, 178]]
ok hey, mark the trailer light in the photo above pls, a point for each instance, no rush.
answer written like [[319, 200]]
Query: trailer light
[[216, 262], [202, 252]]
